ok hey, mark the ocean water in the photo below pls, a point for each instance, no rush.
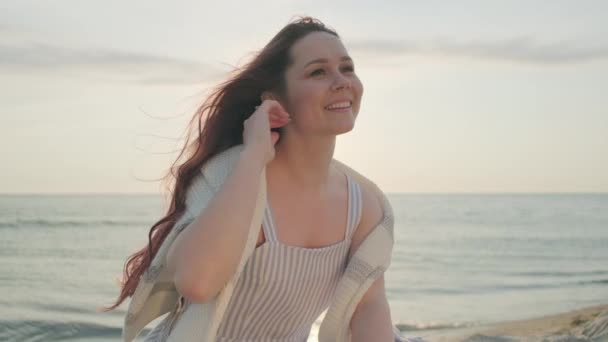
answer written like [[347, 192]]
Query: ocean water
[[459, 260]]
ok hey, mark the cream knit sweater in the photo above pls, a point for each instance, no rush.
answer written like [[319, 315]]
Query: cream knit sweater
[[156, 294]]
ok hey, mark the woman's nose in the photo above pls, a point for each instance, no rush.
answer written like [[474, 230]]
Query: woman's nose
[[341, 81]]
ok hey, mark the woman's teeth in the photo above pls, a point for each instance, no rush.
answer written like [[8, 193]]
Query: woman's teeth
[[339, 105]]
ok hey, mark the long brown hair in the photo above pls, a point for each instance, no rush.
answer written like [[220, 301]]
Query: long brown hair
[[223, 113]]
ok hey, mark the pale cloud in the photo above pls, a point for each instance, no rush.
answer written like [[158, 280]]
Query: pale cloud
[[105, 63], [517, 50]]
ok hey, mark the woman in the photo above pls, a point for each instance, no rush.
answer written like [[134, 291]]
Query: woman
[[285, 108]]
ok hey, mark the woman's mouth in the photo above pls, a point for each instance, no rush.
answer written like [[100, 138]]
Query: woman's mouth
[[342, 106]]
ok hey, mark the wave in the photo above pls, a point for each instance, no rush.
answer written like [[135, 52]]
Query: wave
[[558, 273], [72, 223], [593, 282], [55, 308], [420, 326], [40, 330], [513, 287], [553, 285]]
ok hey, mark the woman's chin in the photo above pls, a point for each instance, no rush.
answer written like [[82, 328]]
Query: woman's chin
[[344, 128]]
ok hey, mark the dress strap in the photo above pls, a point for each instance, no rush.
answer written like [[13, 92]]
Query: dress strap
[[355, 205], [268, 224]]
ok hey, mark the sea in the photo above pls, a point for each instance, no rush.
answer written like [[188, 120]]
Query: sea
[[459, 260]]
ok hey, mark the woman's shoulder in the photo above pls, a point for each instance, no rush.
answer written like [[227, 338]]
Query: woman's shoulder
[[372, 205], [366, 184]]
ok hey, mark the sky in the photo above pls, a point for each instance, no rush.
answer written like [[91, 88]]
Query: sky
[[460, 97]]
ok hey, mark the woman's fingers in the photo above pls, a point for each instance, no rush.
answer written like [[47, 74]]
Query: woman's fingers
[[277, 115], [277, 110], [274, 123]]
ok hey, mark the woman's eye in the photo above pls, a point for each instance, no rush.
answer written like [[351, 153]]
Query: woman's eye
[[317, 72]]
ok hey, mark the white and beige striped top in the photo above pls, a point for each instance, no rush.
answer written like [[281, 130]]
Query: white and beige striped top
[[284, 289]]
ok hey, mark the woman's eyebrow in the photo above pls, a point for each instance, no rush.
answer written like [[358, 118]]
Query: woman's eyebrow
[[325, 60]]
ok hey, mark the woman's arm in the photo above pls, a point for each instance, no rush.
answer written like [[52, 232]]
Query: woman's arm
[[206, 254], [371, 320]]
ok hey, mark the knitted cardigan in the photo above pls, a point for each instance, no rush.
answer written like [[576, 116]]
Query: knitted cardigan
[[156, 294]]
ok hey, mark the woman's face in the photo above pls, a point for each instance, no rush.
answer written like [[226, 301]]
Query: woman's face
[[323, 91]]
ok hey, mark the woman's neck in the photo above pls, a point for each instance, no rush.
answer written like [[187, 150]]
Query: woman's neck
[[305, 165]]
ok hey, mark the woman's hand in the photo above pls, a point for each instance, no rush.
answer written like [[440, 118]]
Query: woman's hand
[[257, 135]]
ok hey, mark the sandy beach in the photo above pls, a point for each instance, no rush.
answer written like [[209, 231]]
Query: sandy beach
[[587, 324]]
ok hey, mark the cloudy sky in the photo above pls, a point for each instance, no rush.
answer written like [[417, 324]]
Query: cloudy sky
[[467, 96]]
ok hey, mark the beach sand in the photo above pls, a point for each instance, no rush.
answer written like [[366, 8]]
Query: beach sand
[[588, 324]]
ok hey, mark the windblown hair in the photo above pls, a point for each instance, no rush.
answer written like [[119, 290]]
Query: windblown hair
[[220, 126]]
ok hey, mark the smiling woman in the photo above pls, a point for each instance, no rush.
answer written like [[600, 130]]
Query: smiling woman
[[267, 230], [322, 80]]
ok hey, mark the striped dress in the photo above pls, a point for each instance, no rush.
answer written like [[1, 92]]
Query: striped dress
[[283, 289]]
